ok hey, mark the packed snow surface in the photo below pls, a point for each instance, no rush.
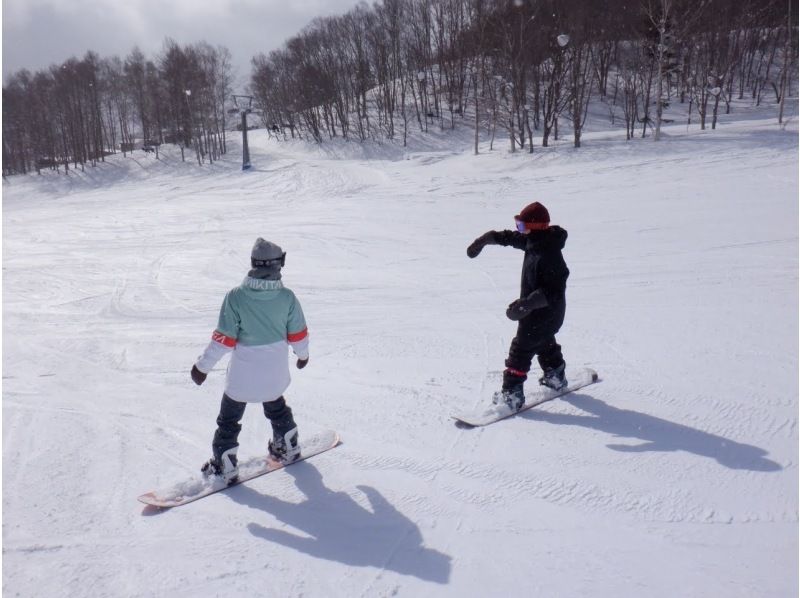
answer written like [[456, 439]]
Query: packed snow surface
[[676, 475]]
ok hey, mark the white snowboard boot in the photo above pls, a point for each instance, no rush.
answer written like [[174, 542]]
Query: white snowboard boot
[[285, 448], [226, 467]]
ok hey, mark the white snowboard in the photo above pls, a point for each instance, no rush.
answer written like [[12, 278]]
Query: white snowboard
[[488, 415], [200, 486]]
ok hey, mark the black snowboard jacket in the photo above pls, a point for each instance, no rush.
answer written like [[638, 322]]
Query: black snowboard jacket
[[543, 270]]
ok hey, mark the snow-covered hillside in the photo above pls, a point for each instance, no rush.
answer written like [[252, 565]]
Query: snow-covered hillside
[[675, 476]]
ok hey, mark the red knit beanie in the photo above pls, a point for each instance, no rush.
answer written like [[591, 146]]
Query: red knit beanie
[[535, 216]]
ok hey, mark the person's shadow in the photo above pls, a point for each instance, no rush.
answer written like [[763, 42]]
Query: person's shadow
[[657, 434], [337, 528]]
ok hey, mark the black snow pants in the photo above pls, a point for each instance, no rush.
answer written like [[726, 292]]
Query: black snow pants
[[230, 414], [534, 337]]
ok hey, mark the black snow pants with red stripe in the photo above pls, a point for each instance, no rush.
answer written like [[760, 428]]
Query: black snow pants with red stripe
[[535, 337]]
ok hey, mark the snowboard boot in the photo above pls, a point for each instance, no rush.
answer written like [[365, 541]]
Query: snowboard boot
[[285, 448], [226, 466], [511, 392], [514, 397], [554, 378], [285, 445]]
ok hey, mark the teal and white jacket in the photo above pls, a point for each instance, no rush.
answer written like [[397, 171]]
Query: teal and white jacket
[[258, 322]]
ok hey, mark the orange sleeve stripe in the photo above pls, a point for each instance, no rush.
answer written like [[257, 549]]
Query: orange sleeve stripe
[[294, 337], [223, 340]]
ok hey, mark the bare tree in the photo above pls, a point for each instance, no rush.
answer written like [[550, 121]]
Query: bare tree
[[669, 21]]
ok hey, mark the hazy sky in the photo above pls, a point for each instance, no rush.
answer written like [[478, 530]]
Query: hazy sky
[[38, 33]]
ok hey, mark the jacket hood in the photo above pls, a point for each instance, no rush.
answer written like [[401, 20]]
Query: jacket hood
[[261, 288], [554, 237]]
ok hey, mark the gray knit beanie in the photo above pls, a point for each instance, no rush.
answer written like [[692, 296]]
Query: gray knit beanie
[[266, 260]]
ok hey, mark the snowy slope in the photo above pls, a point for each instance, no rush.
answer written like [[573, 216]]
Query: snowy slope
[[675, 476]]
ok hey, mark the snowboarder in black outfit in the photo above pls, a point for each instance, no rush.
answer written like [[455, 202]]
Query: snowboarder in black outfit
[[541, 306]]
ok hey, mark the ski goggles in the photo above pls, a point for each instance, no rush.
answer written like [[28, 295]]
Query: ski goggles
[[271, 263], [526, 226]]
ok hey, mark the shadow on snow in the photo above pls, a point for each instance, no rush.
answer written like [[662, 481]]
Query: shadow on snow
[[342, 530], [657, 434]]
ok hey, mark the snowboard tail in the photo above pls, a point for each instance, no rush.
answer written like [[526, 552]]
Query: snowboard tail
[[200, 487], [484, 416]]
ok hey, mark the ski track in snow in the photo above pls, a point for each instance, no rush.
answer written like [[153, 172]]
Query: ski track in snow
[[681, 464]]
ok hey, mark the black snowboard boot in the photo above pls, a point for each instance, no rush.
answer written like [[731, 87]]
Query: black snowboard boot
[[554, 378], [512, 392], [513, 397]]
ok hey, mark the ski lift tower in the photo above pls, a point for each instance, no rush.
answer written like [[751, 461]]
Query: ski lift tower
[[244, 106]]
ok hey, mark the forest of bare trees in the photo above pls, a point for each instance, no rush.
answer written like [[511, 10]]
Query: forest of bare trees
[[510, 69], [78, 112], [520, 68]]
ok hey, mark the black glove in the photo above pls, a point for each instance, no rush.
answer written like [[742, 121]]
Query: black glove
[[478, 244], [520, 308], [301, 363], [198, 377]]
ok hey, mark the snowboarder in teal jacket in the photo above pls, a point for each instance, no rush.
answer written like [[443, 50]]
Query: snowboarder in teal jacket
[[258, 322]]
